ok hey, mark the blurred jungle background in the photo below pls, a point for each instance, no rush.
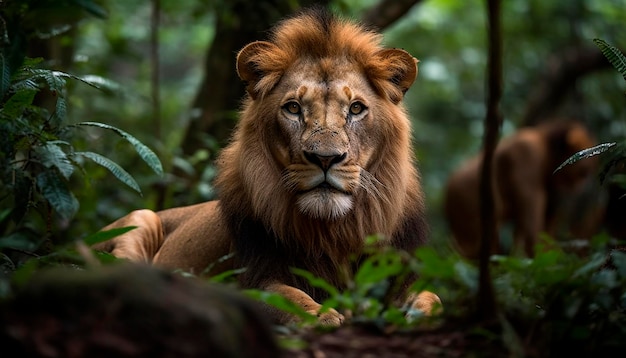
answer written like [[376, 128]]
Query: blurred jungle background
[[166, 75], [114, 105]]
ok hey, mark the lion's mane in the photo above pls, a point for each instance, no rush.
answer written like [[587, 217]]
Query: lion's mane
[[265, 222]]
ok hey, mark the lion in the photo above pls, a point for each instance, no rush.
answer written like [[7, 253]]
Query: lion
[[320, 159], [528, 194]]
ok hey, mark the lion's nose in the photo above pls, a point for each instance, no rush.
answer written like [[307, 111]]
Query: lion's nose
[[324, 161]]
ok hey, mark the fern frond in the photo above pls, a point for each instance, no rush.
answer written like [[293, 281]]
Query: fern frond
[[51, 155], [586, 153], [94, 81], [60, 112], [5, 75], [54, 79], [144, 152], [93, 8], [52, 186], [99, 82], [614, 55], [119, 172], [25, 84]]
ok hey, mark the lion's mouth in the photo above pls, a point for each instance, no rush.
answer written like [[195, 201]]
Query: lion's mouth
[[325, 187]]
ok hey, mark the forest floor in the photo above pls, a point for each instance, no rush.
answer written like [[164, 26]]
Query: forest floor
[[353, 341]]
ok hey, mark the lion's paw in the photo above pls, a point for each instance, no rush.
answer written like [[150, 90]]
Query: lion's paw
[[424, 303], [329, 318]]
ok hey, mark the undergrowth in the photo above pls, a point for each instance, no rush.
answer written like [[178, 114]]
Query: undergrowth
[[557, 300]]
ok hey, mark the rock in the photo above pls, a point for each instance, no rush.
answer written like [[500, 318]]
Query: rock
[[130, 310]]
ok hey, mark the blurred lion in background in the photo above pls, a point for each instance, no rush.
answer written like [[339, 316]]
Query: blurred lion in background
[[528, 195]]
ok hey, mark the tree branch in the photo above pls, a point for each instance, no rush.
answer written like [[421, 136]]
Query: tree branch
[[386, 12], [563, 69]]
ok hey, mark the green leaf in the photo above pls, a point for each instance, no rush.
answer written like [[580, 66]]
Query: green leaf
[[105, 257], [144, 152], [92, 8], [106, 235], [5, 75], [586, 153], [281, 303], [19, 101], [113, 167], [104, 84], [22, 192], [25, 272], [316, 281], [220, 260], [54, 79], [222, 277], [593, 264], [618, 258], [97, 82], [396, 316], [378, 267], [614, 55], [60, 112], [55, 190], [32, 61], [5, 214], [434, 265], [51, 155], [25, 84], [22, 240], [467, 274]]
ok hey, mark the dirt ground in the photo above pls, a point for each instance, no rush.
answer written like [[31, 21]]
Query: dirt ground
[[348, 342]]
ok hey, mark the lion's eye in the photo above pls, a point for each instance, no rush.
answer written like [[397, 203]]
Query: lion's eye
[[293, 107], [357, 108]]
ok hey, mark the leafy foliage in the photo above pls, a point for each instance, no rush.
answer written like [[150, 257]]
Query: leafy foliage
[[554, 300], [38, 160], [370, 295], [615, 152], [614, 55]]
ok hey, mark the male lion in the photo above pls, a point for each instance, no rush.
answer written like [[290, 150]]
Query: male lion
[[528, 194], [320, 159]]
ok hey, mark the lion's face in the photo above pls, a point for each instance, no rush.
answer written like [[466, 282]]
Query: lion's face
[[325, 106], [327, 136]]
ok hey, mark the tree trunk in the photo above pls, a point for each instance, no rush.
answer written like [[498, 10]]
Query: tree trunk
[[214, 110], [493, 122]]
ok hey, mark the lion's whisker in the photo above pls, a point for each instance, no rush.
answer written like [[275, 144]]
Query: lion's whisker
[[372, 185], [287, 180]]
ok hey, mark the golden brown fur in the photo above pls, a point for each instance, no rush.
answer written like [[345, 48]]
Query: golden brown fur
[[320, 159], [527, 193]]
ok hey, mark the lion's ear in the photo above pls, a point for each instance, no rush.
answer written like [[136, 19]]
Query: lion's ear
[[259, 66], [399, 69]]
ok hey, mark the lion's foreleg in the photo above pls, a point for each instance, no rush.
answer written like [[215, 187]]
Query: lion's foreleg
[[328, 318], [140, 244]]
